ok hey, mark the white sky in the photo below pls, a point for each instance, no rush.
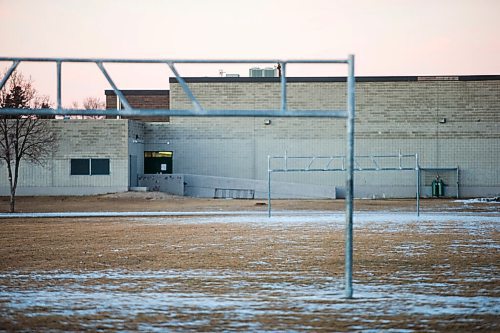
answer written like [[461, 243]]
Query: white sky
[[388, 37]]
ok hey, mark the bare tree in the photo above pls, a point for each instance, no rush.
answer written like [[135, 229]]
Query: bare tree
[[93, 103], [23, 137], [89, 103]]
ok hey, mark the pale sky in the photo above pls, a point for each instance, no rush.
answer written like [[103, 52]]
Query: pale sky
[[388, 37]]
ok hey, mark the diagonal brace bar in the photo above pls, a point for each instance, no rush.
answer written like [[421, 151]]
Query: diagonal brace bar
[[117, 91], [185, 87], [9, 73]]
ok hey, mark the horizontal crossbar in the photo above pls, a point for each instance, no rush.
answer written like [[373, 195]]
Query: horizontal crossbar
[[340, 169], [176, 61], [439, 169]]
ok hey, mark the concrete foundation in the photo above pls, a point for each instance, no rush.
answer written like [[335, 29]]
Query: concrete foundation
[[237, 188]]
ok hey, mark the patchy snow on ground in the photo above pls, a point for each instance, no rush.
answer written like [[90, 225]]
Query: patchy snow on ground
[[494, 200], [237, 296], [242, 300], [383, 221]]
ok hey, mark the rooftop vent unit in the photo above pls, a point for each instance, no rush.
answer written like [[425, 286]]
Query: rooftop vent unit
[[263, 72], [255, 72], [232, 75], [269, 72]]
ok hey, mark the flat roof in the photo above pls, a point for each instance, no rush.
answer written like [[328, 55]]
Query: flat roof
[[342, 78], [109, 92], [153, 92]]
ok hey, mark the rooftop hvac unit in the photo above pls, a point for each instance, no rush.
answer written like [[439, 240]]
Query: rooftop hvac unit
[[263, 72], [269, 72], [256, 72], [232, 75]]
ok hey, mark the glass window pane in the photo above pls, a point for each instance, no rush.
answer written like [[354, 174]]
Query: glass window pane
[[80, 166], [100, 166]]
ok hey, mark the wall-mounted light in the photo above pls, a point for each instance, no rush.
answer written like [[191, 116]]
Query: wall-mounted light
[[267, 122], [442, 121], [137, 139]]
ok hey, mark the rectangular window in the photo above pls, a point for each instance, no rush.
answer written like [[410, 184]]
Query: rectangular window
[[99, 166], [80, 166], [89, 166]]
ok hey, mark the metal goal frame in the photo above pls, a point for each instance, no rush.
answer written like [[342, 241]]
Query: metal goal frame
[[197, 110], [375, 161]]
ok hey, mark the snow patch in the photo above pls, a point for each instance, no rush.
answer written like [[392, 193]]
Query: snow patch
[[494, 200]]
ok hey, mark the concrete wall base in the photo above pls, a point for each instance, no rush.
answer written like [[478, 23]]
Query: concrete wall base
[[223, 187], [138, 189]]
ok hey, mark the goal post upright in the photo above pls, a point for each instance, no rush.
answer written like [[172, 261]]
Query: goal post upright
[[349, 178]]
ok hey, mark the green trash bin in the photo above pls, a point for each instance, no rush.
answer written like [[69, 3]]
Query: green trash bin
[[437, 187]]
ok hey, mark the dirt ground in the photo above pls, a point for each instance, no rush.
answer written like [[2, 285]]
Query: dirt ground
[[269, 270], [157, 201]]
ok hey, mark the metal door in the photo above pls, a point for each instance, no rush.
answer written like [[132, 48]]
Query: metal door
[[132, 169]]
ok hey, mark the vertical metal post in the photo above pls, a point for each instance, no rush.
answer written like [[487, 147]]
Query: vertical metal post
[[350, 178], [286, 161], [283, 87], [268, 186], [417, 168], [458, 183], [59, 104], [399, 154]]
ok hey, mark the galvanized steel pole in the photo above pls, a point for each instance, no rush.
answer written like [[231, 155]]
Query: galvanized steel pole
[[417, 167], [269, 185], [196, 105], [117, 91], [11, 69], [59, 104], [283, 87], [349, 179]]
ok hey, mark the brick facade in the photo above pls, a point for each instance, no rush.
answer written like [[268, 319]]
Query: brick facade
[[142, 99]]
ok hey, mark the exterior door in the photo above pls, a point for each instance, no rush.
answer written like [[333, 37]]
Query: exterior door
[[158, 162], [132, 169]]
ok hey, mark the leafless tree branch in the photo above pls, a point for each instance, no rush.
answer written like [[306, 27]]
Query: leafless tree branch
[[23, 137]]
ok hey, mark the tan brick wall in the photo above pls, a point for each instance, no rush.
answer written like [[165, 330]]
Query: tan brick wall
[[387, 109], [390, 116], [89, 138]]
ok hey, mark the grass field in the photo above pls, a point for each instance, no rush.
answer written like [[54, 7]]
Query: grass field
[[246, 272]]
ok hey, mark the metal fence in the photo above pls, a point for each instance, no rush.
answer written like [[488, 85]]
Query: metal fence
[[198, 110]]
